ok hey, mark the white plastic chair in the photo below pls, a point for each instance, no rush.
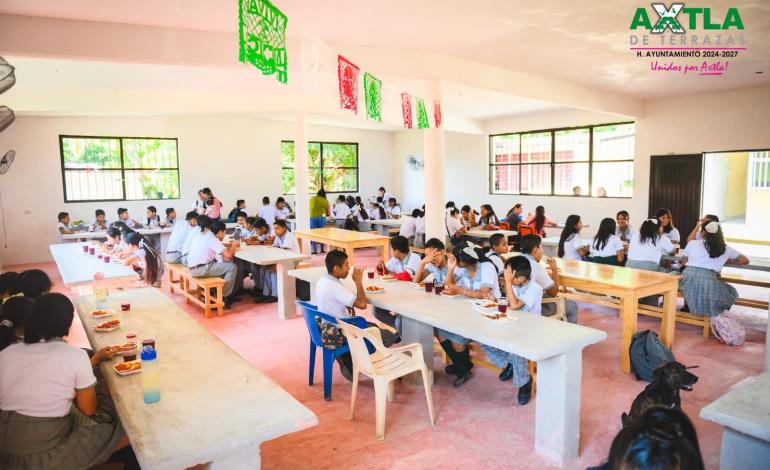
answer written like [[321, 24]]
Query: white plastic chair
[[561, 307], [383, 367]]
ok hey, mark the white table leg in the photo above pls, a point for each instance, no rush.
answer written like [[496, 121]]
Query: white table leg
[[164, 237], [413, 331], [740, 451], [287, 291], [242, 458], [557, 407]]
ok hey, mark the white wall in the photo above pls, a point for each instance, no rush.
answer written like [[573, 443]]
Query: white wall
[[717, 121], [238, 157]]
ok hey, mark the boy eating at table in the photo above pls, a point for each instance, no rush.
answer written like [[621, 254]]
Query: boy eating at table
[[284, 240], [403, 265], [208, 257], [100, 224], [170, 219], [124, 217], [532, 249]]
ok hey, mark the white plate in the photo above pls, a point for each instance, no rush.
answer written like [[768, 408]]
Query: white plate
[[418, 286], [108, 313], [104, 330], [384, 279], [374, 291], [130, 372], [449, 296], [128, 351]]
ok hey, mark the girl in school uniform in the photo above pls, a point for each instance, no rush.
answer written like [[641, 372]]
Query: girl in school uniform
[[114, 242], [419, 229], [471, 274], [144, 259], [696, 233], [361, 215], [667, 224], [571, 243], [393, 211], [538, 221], [54, 414], [199, 205], [468, 217], [341, 212], [623, 230], [454, 227], [213, 204], [12, 318], [606, 247], [647, 247], [377, 212], [408, 229], [488, 219], [705, 293]]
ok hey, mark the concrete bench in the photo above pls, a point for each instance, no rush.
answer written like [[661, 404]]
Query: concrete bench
[[197, 289]]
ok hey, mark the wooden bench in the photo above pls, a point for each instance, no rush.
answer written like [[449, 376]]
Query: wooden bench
[[748, 279], [197, 289]]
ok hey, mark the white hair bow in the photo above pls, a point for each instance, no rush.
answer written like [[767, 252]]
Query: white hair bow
[[711, 226], [470, 250], [654, 221]]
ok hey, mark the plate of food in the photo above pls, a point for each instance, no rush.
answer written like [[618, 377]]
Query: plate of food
[[448, 295], [100, 313], [418, 285], [374, 289], [121, 349], [109, 325], [128, 368], [389, 278], [495, 316]]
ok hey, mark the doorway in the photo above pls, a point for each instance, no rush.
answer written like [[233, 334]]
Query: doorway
[[675, 183]]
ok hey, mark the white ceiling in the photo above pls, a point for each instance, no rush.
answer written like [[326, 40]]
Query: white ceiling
[[584, 42]]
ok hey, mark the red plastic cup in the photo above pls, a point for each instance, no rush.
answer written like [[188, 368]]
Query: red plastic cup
[[502, 308], [379, 270], [370, 274], [100, 256], [91, 251], [428, 287], [85, 248], [148, 342], [106, 258], [438, 288], [125, 307], [129, 356]]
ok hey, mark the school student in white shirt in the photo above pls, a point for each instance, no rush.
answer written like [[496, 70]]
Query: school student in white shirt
[[178, 236], [63, 227], [606, 247], [571, 243], [341, 212], [208, 257], [199, 205], [282, 209], [170, 219], [532, 249], [408, 228], [646, 249], [126, 219], [624, 230], [435, 263], [403, 265], [267, 212], [203, 222], [100, 223], [284, 240], [419, 229], [332, 298], [666, 221], [392, 211], [697, 231], [153, 219], [454, 228], [377, 212], [144, 259], [498, 245]]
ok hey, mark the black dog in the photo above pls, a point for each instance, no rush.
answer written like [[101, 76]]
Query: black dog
[[667, 380]]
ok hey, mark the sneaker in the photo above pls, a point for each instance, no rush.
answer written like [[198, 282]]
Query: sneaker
[[525, 392]]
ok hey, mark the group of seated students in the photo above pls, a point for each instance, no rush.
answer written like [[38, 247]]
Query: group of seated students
[[55, 409], [101, 224]]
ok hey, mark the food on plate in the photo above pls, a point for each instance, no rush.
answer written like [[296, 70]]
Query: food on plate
[[101, 313], [120, 348], [374, 289], [128, 366], [389, 277], [488, 304], [108, 324], [496, 316]]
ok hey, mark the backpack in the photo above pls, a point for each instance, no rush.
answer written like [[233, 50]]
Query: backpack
[[647, 353], [728, 331]]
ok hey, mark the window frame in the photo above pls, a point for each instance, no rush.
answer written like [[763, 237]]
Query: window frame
[[553, 163], [321, 168], [122, 168]]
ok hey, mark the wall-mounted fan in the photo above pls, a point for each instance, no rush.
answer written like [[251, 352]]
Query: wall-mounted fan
[[415, 162], [6, 161], [7, 80], [7, 75]]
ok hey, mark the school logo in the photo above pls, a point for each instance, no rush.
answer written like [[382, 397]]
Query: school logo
[[667, 19]]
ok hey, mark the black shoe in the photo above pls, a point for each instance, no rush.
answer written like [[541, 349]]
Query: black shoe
[[233, 298], [266, 300], [507, 373], [243, 291], [525, 392], [462, 378], [228, 304], [345, 368]]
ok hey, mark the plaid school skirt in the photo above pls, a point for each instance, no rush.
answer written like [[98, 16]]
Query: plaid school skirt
[[705, 293]]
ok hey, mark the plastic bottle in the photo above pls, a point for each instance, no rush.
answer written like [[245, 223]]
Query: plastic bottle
[[150, 375]]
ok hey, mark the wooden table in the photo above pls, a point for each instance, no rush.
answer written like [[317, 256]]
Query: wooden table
[[346, 240], [478, 233], [77, 268], [556, 346], [284, 260], [163, 233], [214, 407]]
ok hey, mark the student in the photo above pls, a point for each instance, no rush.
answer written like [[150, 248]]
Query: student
[[7, 283], [696, 232], [667, 224], [319, 211], [468, 217], [126, 219], [350, 201], [454, 228], [527, 296], [577, 191], [341, 212], [63, 227], [449, 206], [195, 232], [393, 211], [267, 212], [409, 226], [488, 219], [240, 222], [606, 247], [624, 230], [532, 249], [199, 205], [46, 388], [114, 241], [705, 293], [361, 216], [514, 216], [284, 240], [332, 298], [144, 257], [378, 210], [240, 206], [648, 246], [208, 257], [282, 209], [249, 231], [12, 318], [170, 219], [32, 283], [385, 195], [419, 229], [571, 243], [434, 263], [178, 236], [498, 245], [404, 265], [100, 223], [213, 204], [476, 278], [262, 232], [538, 221], [153, 219]]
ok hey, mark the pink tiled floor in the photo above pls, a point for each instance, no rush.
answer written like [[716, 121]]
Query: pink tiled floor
[[479, 425]]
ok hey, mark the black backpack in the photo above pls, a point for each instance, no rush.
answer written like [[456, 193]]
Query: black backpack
[[647, 353]]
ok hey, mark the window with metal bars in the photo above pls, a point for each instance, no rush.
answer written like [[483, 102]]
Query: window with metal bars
[[759, 170], [332, 166]]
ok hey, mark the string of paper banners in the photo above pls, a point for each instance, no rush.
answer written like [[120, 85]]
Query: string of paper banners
[[262, 43]]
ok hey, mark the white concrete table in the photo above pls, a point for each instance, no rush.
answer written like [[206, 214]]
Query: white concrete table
[[551, 246], [78, 268], [163, 233], [284, 260], [745, 414], [214, 407], [478, 233], [556, 347], [384, 225]]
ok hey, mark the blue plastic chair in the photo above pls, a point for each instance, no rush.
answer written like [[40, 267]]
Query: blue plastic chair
[[310, 312]]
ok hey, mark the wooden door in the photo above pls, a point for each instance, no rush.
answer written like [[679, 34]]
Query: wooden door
[[675, 183]]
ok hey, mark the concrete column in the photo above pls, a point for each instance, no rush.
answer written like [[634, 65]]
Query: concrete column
[[767, 343], [433, 150], [301, 196]]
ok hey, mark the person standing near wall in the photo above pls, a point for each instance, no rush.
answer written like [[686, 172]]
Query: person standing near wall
[[319, 211]]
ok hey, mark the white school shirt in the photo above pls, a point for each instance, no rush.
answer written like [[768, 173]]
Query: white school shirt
[[673, 235], [638, 251], [95, 227], [60, 226], [408, 228], [332, 298], [571, 246], [497, 261], [357, 213], [178, 236], [439, 274], [531, 294], [539, 274], [341, 211], [191, 235], [282, 214], [204, 249], [168, 221], [419, 225], [40, 379], [453, 225], [199, 206], [410, 264], [131, 223], [268, 213], [287, 242], [486, 276], [154, 222], [628, 233], [614, 244], [393, 212], [698, 257]]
